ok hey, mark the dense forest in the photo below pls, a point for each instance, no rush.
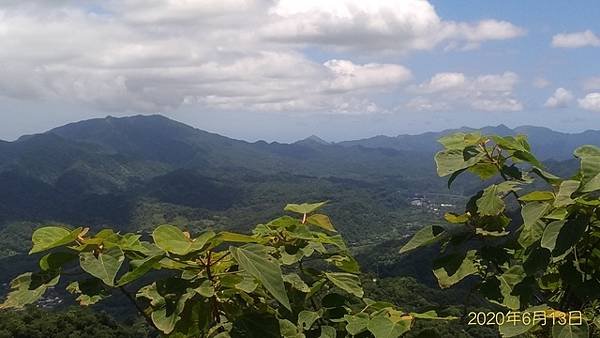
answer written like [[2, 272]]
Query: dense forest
[[135, 174]]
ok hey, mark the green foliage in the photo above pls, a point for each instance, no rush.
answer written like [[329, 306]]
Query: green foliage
[[73, 322], [293, 277], [545, 259]]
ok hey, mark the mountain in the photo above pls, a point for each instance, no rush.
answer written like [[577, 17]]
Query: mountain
[[140, 171], [546, 143]]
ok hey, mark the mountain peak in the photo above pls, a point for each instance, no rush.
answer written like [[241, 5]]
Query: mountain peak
[[314, 139]]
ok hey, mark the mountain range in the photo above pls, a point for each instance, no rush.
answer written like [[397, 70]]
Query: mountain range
[[139, 171]]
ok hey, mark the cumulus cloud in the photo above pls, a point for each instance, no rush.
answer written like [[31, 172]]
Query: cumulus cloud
[[383, 24], [590, 102], [560, 99], [453, 91], [157, 55], [575, 40]]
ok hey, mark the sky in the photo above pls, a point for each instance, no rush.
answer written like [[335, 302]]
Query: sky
[[281, 70]]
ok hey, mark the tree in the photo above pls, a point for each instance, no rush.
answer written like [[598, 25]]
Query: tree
[[529, 250], [292, 277]]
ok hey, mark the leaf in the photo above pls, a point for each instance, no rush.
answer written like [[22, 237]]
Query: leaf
[[570, 234], [304, 208], [548, 177], [206, 289], [327, 332], [455, 218], [347, 282], [345, 263], [566, 189], [451, 269], [426, 236], [484, 170], [55, 260], [356, 323], [142, 266], [307, 318], [453, 160], [533, 211], [268, 272], [513, 329], [531, 233], [551, 234], [490, 204], [571, 331], [89, 291], [105, 266], [453, 141], [296, 282], [537, 196], [383, 327], [51, 237], [171, 239], [321, 221], [167, 299], [590, 167], [508, 280], [28, 288], [227, 236]]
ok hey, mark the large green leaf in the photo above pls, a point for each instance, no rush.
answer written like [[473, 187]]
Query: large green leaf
[[551, 234], [103, 265], [537, 196], [570, 234], [51, 237], [566, 189], [140, 268], [533, 211], [264, 268], [173, 240], [382, 326], [508, 280], [490, 204], [453, 160], [304, 208], [28, 288], [321, 221], [426, 236], [356, 323], [307, 318], [347, 282], [451, 269], [590, 167], [55, 260]]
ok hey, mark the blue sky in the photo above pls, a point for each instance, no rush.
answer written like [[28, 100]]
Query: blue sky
[[282, 69]]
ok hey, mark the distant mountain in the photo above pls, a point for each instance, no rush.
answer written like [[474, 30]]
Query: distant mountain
[[139, 171], [546, 143]]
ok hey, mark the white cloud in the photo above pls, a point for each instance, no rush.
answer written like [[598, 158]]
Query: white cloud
[[383, 24], [590, 102], [349, 76], [560, 99], [575, 40], [157, 55], [456, 91]]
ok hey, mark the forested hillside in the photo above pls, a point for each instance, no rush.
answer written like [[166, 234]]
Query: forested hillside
[[133, 174]]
